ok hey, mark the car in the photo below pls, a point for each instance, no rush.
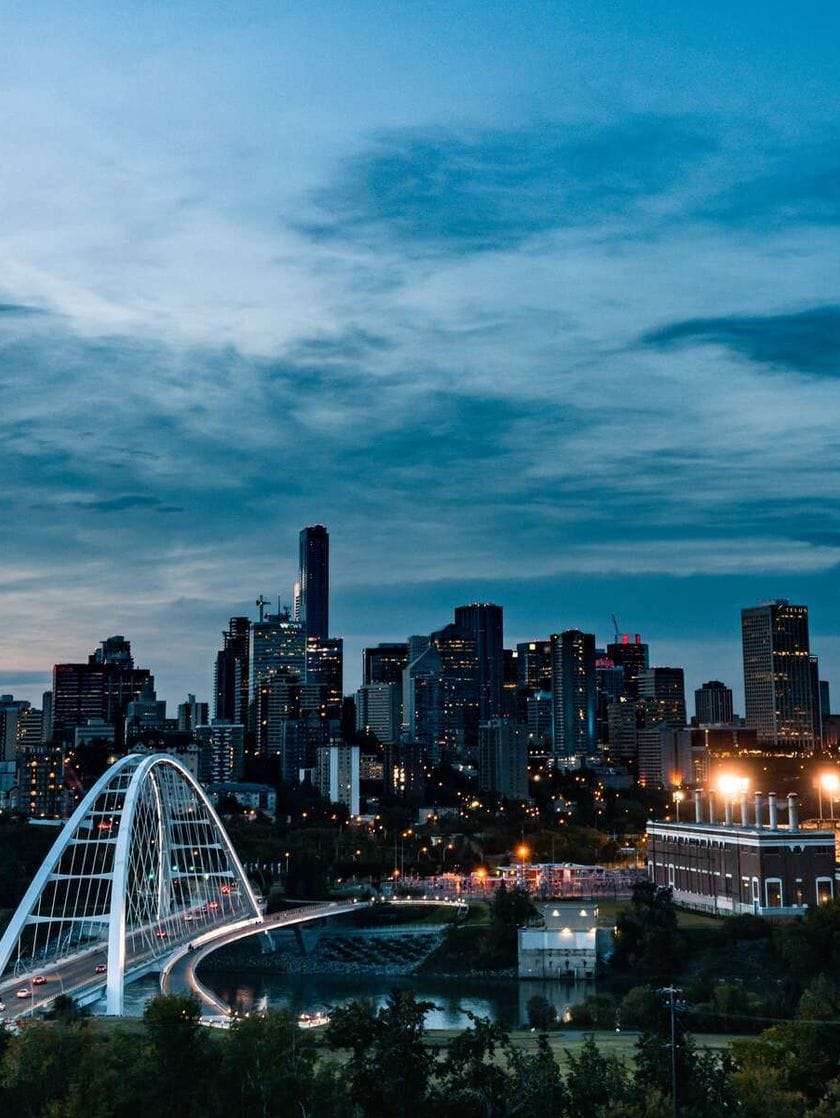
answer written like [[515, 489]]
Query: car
[[101, 968], [25, 993], [2, 1006], [212, 904], [39, 980], [188, 916], [161, 932]]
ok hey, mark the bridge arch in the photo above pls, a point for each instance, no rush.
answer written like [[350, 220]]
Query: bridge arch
[[143, 866]]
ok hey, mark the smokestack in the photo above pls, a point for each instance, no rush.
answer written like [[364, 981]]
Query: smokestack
[[758, 809], [745, 810], [774, 811], [698, 806], [793, 813], [711, 807], [727, 812]]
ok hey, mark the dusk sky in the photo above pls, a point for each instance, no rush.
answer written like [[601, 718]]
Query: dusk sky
[[532, 303]]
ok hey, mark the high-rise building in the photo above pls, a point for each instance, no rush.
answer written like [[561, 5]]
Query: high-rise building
[[484, 622], [533, 659], [778, 687], [385, 663], [623, 729], [378, 710], [337, 775], [41, 782], [816, 702], [459, 686], [573, 694], [713, 704], [610, 684], [221, 752], [144, 713], [277, 660], [192, 714], [315, 581], [503, 759], [233, 681], [662, 696], [633, 656], [422, 701], [325, 668], [101, 688]]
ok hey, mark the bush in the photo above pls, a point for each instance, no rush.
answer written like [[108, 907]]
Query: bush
[[541, 1013]]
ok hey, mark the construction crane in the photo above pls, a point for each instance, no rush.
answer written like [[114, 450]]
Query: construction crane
[[262, 602], [615, 626]]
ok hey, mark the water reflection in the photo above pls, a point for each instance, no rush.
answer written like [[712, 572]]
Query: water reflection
[[502, 1001]]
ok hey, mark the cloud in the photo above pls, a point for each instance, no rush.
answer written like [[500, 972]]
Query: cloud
[[803, 186], [477, 190], [806, 341]]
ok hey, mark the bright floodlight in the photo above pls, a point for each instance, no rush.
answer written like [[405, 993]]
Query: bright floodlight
[[522, 852], [830, 782], [731, 785]]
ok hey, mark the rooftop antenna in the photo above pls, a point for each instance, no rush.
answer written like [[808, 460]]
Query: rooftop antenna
[[262, 602]]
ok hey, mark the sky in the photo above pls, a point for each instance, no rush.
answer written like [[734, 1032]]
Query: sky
[[536, 303]]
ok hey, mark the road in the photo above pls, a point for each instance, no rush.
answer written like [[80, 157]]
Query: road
[[77, 974], [179, 976]]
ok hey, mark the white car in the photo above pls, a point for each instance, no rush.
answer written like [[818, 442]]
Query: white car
[[23, 993]]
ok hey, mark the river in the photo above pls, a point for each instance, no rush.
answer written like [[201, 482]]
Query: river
[[502, 1000]]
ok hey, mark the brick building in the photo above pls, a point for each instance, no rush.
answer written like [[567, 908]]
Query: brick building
[[752, 865]]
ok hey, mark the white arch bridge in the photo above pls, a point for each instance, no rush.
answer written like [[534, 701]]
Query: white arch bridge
[[142, 869]]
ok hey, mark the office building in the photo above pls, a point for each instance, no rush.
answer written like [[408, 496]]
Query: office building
[[623, 730], [669, 757], [816, 702], [40, 782], [459, 687], [144, 713], [337, 775], [325, 669], [540, 720], [484, 622], [573, 695], [778, 685], [101, 688], [565, 947], [633, 657], [385, 663], [662, 696], [533, 661], [232, 677], [315, 581], [378, 711], [713, 704], [610, 686], [422, 705], [503, 759]]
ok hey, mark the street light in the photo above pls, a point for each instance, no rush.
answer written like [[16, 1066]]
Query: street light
[[679, 796], [829, 782]]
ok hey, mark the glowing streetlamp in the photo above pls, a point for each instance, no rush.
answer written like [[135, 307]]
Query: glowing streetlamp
[[730, 785], [829, 782], [678, 797]]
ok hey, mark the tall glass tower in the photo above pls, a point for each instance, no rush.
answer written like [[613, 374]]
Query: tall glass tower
[[778, 689], [315, 581]]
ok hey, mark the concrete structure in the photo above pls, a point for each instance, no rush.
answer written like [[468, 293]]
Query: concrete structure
[[574, 696], [564, 947], [737, 858]]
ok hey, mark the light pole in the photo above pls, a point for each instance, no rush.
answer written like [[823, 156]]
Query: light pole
[[672, 991], [830, 783]]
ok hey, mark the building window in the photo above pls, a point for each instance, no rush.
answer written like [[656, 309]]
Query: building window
[[773, 892], [825, 890]]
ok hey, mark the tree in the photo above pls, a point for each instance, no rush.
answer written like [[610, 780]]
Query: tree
[[268, 1066], [536, 1089], [541, 1013], [389, 1068], [39, 1066], [472, 1082], [647, 940], [595, 1082], [509, 911], [179, 1066]]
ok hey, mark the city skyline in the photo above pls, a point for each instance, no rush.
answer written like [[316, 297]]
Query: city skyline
[[536, 307]]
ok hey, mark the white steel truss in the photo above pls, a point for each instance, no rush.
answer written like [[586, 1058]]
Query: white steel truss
[[143, 866]]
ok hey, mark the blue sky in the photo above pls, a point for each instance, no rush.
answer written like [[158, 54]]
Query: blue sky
[[530, 302]]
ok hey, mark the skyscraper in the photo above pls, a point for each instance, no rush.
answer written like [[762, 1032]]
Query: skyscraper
[[713, 704], [634, 657], [233, 674], [315, 581], [459, 686], [573, 694], [503, 759], [484, 622], [662, 696], [778, 685], [101, 688]]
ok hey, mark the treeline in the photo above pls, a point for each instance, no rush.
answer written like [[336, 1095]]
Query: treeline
[[377, 1062]]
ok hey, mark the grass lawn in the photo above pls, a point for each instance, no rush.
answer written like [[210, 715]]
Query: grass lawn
[[609, 908]]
